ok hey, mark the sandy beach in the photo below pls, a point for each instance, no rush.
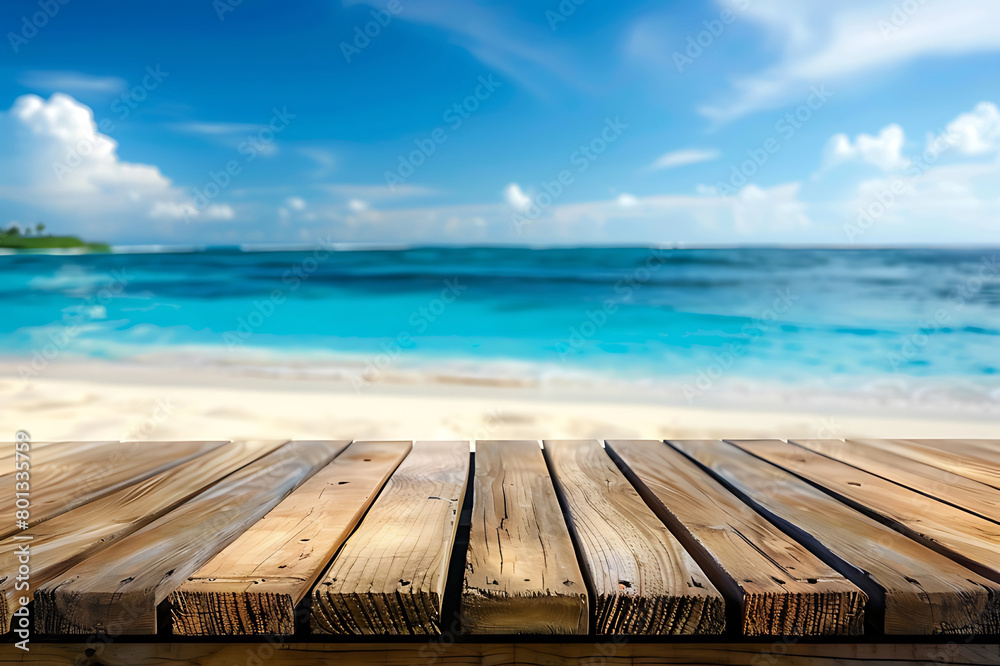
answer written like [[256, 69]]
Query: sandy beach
[[94, 400]]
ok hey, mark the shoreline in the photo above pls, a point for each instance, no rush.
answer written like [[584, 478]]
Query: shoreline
[[90, 399], [938, 396]]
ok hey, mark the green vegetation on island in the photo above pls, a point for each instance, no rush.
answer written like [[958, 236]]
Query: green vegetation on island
[[13, 238]]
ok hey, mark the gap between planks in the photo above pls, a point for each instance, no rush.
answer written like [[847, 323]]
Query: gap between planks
[[778, 586], [389, 577], [62, 542], [254, 585], [118, 589], [958, 534], [643, 580], [912, 589]]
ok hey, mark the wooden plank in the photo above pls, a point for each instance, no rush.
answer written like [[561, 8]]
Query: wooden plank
[[779, 587], [941, 484], [643, 579], [117, 590], [64, 541], [389, 578], [988, 449], [40, 452], [521, 572], [915, 590], [967, 538], [253, 586], [275, 652], [85, 473], [968, 458]]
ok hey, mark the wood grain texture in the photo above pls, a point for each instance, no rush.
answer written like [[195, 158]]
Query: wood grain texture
[[974, 459], [969, 539], [117, 590], [643, 580], [253, 586], [955, 489], [778, 585], [277, 653], [42, 452], [389, 578], [916, 590], [521, 570], [64, 541], [89, 470]]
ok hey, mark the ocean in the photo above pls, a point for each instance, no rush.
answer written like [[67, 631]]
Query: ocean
[[889, 323]]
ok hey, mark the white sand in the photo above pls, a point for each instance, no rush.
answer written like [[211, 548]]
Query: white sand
[[100, 400]]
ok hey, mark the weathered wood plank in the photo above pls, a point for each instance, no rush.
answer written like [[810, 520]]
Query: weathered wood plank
[[41, 452], [916, 590], [253, 586], [973, 459], [943, 485], [967, 538], [64, 541], [389, 578], [277, 653], [117, 590], [779, 586], [89, 471], [522, 574], [643, 579], [988, 449]]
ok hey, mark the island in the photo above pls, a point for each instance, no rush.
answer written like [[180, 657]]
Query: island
[[13, 238]]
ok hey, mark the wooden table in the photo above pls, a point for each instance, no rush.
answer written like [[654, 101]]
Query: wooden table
[[723, 552]]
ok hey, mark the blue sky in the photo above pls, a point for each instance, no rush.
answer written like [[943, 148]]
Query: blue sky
[[730, 122]]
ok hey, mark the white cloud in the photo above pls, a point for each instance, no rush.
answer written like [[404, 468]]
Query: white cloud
[[942, 196], [626, 200], [830, 43], [53, 81], [219, 212], [684, 157], [378, 192], [214, 129], [516, 198], [516, 49], [358, 205], [296, 203], [324, 159], [173, 210], [752, 210], [84, 160], [977, 132], [945, 204], [229, 134], [884, 151], [53, 157], [755, 208]]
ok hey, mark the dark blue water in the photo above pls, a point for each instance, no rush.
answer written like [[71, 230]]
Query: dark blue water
[[775, 314]]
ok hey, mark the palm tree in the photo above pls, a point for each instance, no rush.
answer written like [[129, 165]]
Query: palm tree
[[39, 228]]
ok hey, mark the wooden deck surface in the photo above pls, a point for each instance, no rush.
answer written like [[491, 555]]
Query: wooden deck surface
[[330, 539]]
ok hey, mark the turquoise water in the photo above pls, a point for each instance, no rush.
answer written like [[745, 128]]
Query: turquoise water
[[777, 314]]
